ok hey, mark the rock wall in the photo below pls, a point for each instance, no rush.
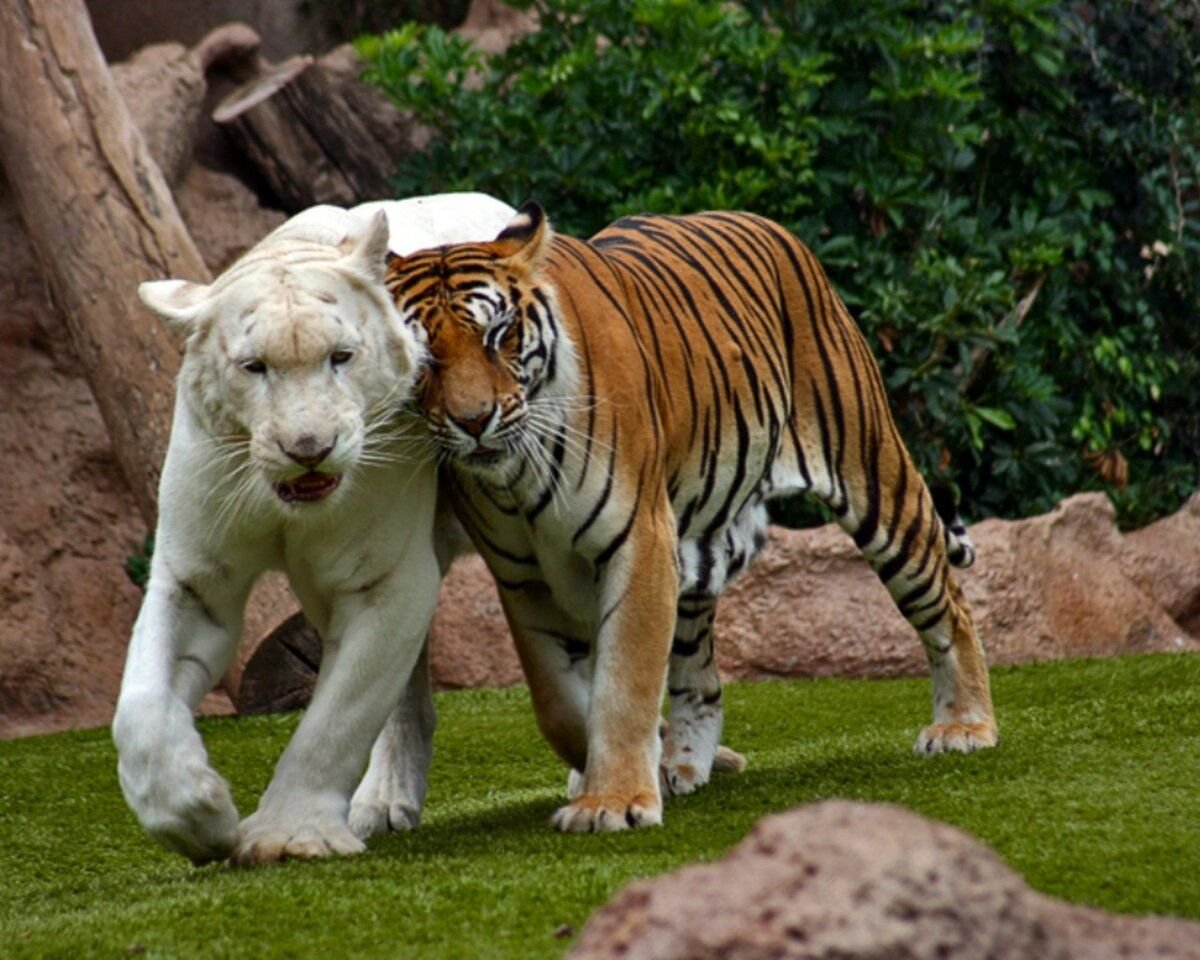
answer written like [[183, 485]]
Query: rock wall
[[67, 520], [124, 26], [1066, 584]]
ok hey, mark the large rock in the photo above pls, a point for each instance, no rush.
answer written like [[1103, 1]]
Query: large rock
[[1163, 559], [857, 881], [1048, 587], [469, 644]]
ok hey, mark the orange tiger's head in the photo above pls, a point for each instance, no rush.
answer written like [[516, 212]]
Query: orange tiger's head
[[492, 338]]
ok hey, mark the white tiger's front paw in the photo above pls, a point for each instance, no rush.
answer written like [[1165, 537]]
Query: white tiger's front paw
[[194, 815], [378, 818], [272, 836], [166, 779]]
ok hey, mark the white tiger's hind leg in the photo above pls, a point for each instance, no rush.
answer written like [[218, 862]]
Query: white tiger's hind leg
[[392, 792], [692, 739]]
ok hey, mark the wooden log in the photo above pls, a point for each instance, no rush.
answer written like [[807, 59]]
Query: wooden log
[[309, 142], [100, 219], [282, 672]]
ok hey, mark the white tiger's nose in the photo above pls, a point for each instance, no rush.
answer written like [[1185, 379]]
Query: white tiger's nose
[[307, 450]]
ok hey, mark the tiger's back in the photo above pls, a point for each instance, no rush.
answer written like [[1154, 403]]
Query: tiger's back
[[763, 382]]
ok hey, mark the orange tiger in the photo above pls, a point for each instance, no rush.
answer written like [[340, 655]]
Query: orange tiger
[[613, 416]]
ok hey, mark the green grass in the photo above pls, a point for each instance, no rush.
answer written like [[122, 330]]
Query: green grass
[[1092, 795]]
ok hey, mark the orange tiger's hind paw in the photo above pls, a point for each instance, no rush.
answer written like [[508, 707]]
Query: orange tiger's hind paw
[[594, 813], [956, 737]]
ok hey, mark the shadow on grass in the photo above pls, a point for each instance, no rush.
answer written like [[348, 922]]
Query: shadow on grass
[[505, 822]]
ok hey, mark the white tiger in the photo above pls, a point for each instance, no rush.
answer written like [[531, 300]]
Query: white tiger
[[285, 454]]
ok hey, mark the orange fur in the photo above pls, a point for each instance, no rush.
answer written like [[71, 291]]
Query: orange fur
[[614, 416]]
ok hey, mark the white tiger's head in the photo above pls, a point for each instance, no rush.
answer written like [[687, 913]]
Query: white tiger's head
[[296, 360]]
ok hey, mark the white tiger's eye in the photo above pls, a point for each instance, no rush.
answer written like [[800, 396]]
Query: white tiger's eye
[[340, 357], [255, 366]]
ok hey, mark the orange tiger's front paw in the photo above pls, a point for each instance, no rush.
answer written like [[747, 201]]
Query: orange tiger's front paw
[[606, 813], [957, 737]]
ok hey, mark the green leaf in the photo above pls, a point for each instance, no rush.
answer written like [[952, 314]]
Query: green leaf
[[996, 417]]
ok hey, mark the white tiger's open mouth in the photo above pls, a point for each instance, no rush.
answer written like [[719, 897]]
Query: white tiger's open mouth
[[308, 488]]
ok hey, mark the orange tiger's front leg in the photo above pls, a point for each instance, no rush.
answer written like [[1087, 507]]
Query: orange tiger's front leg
[[635, 622]]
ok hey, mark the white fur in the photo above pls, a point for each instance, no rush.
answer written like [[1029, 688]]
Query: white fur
[[295, 350]]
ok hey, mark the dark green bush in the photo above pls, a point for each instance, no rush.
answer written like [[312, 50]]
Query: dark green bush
[[345, 19], [1005, 192]]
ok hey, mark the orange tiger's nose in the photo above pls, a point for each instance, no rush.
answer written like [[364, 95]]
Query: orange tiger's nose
[[474, 426]]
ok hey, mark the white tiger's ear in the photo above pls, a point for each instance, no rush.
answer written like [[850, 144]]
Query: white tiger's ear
[[179, 302], [369, 255], [526, 236]]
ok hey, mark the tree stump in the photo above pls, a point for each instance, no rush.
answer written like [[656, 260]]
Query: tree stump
[[281, 673], [301, 131]]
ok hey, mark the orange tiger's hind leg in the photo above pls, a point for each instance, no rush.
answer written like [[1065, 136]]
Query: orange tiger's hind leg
[[905, 543], [692, 740], [693, 731], [963, 719]]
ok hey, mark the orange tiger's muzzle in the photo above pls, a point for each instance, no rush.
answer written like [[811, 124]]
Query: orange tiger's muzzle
[[468, 388]]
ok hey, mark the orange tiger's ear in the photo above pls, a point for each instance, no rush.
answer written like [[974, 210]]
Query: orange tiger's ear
[[525, 238]]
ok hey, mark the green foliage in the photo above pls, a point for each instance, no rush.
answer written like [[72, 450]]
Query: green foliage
[[137, 566], [1005, 192], [1090, 795]]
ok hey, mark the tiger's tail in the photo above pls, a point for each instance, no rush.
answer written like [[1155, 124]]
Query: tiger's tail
[[960, 551]]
